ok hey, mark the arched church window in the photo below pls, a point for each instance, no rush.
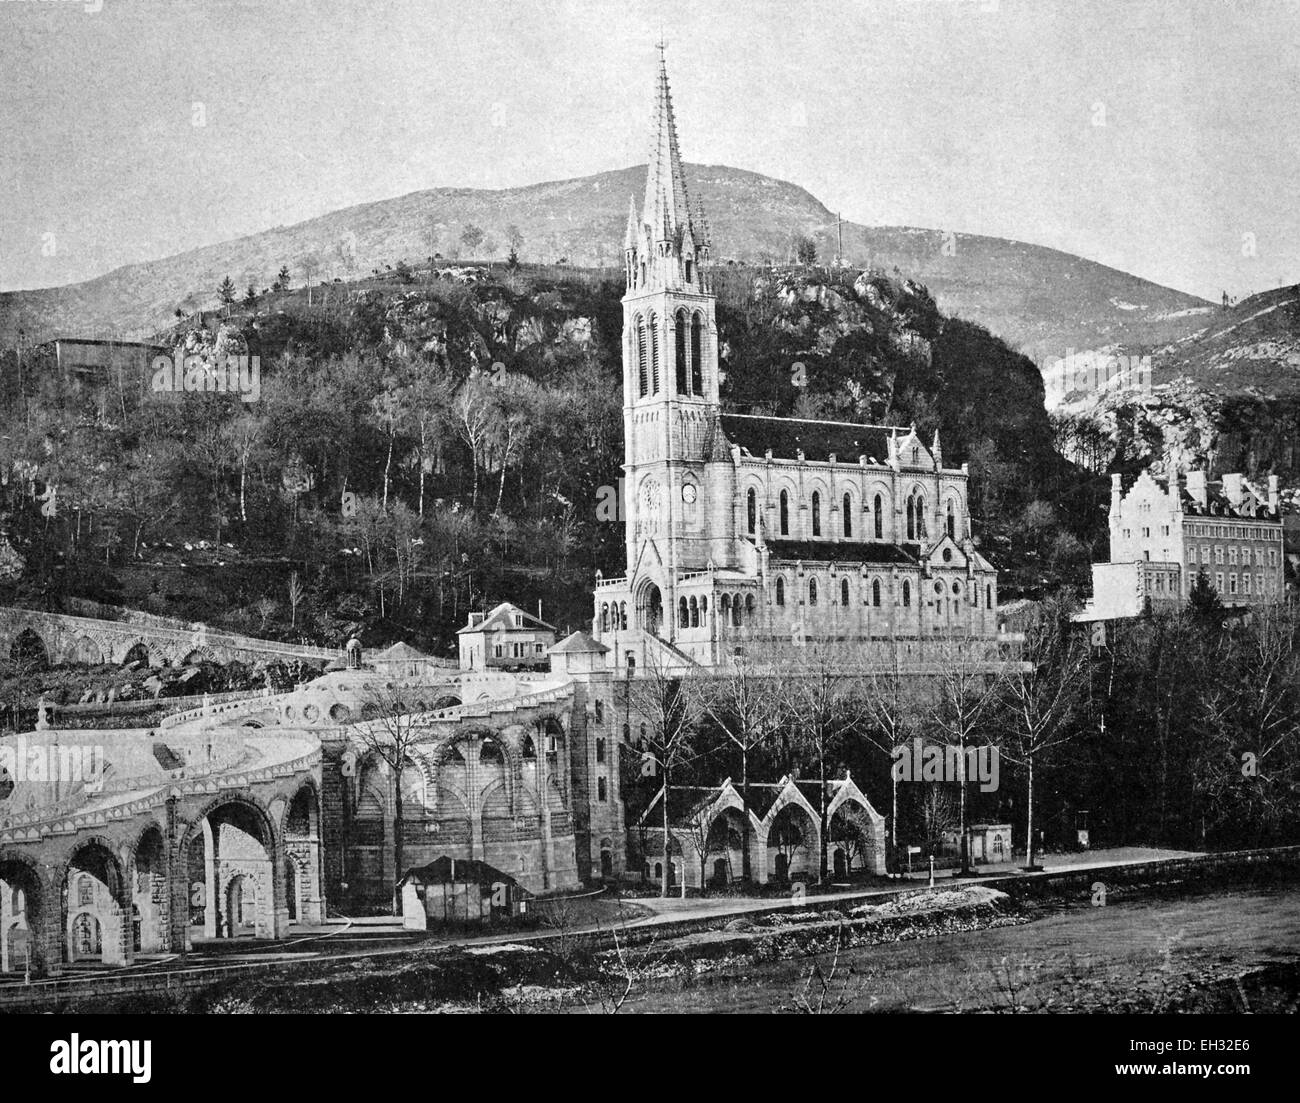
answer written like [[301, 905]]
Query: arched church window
[[880, 519], [780, 591], [749, 607], [751, 511], [735, 610], [988, 597], [848, 515], [622, 616], [844, 591], [642, 375], [812, 591], [604, 617], [785, 514], [654, 354], [907, 593], [920, 517], [695, 613], [680, 350], [952, 521], [911, 520], [816, 514], [683, 614], [875, 592], [697, 362], [726, 608]]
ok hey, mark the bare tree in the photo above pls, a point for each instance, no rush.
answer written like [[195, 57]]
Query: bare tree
[[966, 694], [744, 702], [656, 696], [296, 594], [1039, 697], [390, 733], [824, 703]]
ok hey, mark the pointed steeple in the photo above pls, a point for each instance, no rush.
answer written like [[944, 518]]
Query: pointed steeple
[[630, 236], [937, 450], [667, 207]]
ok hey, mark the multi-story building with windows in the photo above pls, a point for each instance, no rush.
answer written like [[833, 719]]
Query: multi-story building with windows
[[743, 527], [1166, 531]]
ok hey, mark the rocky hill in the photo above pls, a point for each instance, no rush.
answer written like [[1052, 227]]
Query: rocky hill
[[1041, 300]]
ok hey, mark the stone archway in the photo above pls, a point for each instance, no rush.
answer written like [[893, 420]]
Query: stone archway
[[29, 649], [304, 899], [233, 838], [792, 844], [150, 892], [23, 922], [97, 908], [649, 607]]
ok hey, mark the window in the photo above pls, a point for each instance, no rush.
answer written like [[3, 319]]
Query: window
[[1272, 557], [1191, 554], [622, 616], [735, 610], [879, 522], [1146, 532], [602, 790], [644, 384], [907, 593], [695, 613], [812, 591], [988, 596], [844, 591], [654, 354], [848, 515], [1232, 582], [519, 620], [749, 607], [683, 383], [785, 514], [751, 511], [498, 651], [816, 514], [1205, 554], [1218, 555], [600, 749], [780, 591], [697, 362], [952, 521], [1259, 584], [539, 648], [600, 712], [1245, 583], [911, 520], [1218, 581], [1232, 557], [85, 891], [604, 617], [875, 592], [631, 663], [684, 614]]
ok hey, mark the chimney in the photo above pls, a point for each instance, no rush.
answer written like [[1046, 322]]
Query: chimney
[[1175, 498], [1274, 497], [1116, 492], [1196, 487], [1233, 489]]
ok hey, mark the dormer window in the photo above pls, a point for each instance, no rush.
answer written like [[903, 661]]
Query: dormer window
[[519, 620]]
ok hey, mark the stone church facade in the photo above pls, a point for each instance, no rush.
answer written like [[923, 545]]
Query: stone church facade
[[743, 528]]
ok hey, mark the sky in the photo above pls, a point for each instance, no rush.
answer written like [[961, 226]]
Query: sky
[[1161, 137]]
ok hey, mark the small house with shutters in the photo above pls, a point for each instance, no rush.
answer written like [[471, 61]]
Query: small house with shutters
[[506, 638]]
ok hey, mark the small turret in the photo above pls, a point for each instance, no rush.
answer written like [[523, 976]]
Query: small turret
[[937, 449]]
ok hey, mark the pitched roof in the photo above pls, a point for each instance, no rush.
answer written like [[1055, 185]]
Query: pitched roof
[[579, 643], [818, 440], [503, 617], [818, 551], [401, 651], [446, 870]]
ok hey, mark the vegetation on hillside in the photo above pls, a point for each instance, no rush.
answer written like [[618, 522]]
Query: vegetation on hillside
[[415, 450]]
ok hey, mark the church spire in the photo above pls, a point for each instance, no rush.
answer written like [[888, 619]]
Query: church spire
[[630, 236], [667, 207]]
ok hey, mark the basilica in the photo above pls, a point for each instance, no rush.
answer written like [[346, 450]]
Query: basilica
[[744, 529]]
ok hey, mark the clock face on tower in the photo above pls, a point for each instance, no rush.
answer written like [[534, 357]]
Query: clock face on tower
[[688, 493]]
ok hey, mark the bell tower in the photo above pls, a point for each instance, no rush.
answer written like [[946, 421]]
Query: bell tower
[[670, 359]]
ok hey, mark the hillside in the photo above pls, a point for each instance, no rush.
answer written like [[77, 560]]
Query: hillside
[[385, 479], [1040, 300]]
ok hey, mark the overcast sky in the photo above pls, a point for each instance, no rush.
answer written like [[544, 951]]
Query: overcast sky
[[1151, 135]]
